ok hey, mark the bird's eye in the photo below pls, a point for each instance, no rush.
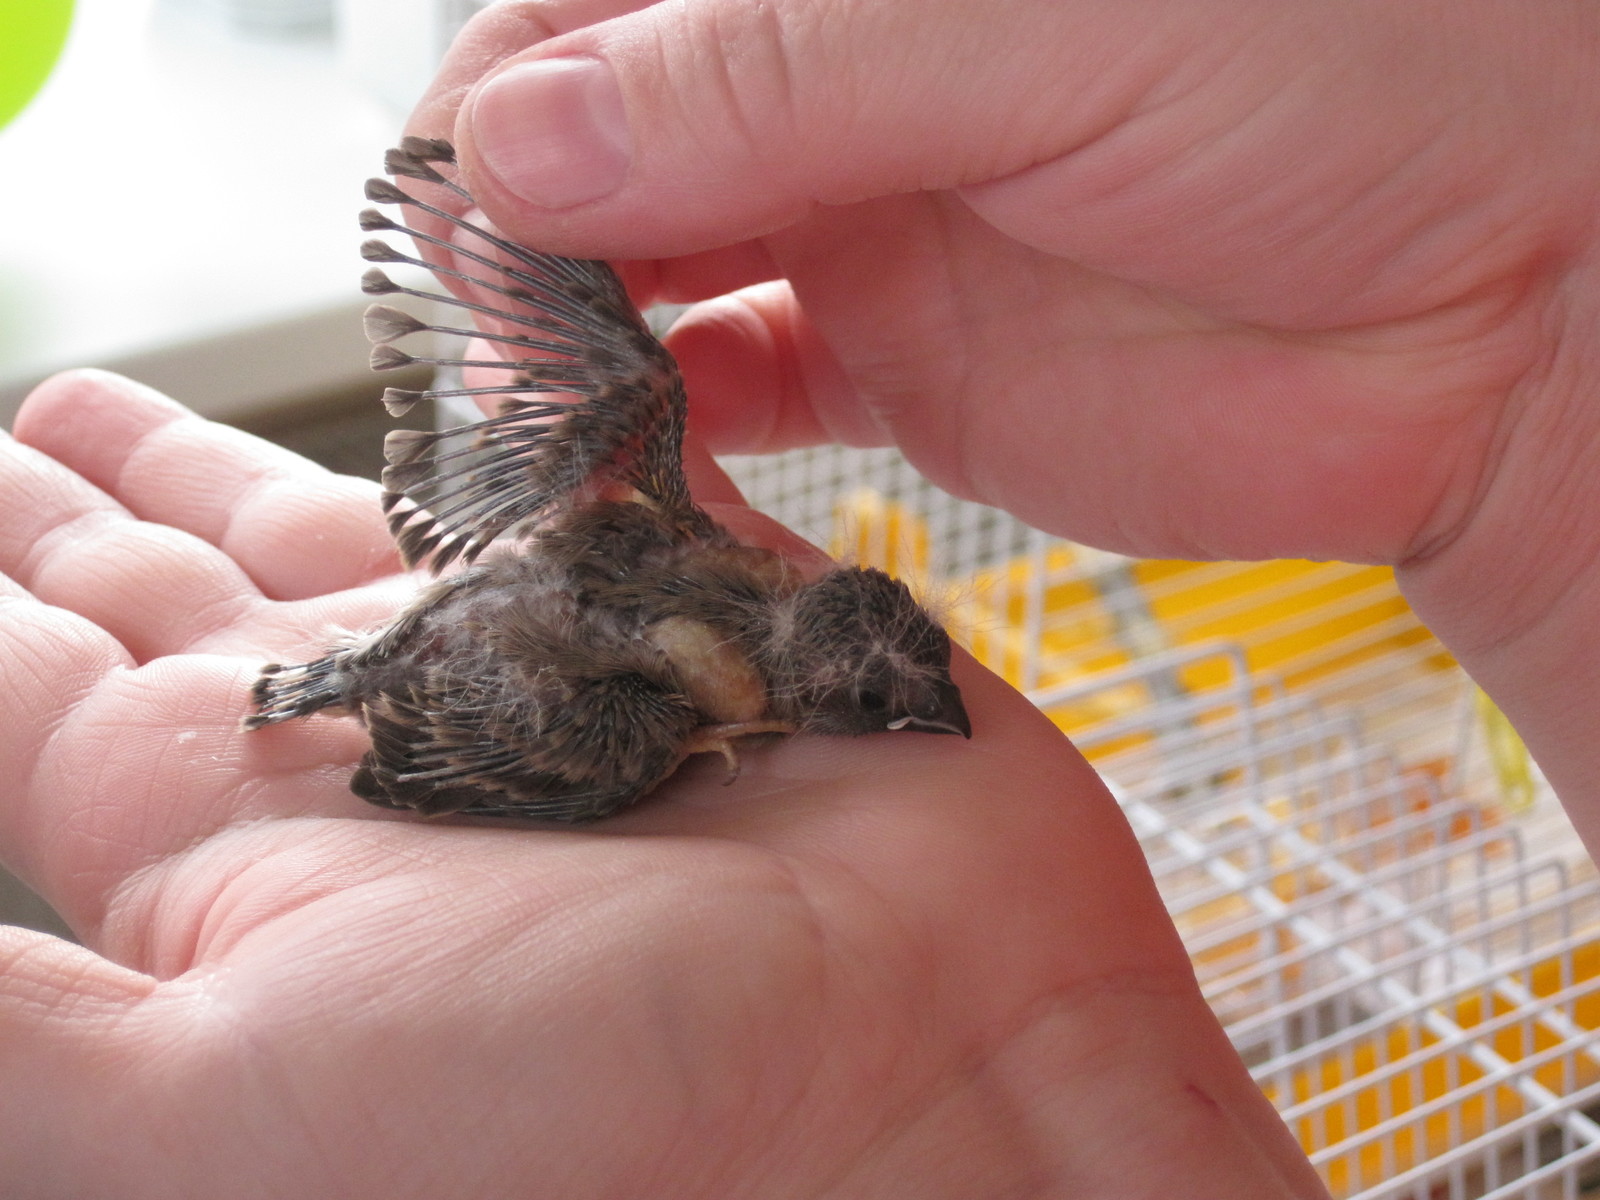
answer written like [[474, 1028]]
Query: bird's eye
[[871, 701]]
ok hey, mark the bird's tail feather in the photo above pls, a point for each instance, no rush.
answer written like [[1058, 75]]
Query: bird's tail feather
[[285, 692]]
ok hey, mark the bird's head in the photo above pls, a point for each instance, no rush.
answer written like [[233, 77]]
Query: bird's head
[[853, 652]]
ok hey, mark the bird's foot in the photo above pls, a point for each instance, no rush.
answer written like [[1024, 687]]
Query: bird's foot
[[718, 739]]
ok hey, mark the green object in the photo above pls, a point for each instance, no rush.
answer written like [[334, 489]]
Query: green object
[[32, 33]]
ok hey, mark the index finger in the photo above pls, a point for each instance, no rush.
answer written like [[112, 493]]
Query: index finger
[[296, 529]]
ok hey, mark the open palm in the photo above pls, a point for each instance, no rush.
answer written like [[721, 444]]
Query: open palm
[[891, 966]]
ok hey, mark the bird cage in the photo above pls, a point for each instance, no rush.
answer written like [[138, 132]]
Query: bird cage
[[1382, 901]]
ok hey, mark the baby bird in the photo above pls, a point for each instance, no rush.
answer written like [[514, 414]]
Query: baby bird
[[614, 629]]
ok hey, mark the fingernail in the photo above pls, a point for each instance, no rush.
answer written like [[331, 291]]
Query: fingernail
[[554, 131]]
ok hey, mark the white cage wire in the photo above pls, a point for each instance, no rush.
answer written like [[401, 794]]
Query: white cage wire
[[1381, 899]]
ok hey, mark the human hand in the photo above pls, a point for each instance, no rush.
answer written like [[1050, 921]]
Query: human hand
[[1202, 280], [896, 966]]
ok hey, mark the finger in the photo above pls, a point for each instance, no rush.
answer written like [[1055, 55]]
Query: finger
[[492, 36], [698, 276], [1088, 406], [155, 589], [760, 379], [754, 528], [1156, 149], [708, 482], [294, 528], [49, 661], [68, 543], [679, 127], [489, 38]]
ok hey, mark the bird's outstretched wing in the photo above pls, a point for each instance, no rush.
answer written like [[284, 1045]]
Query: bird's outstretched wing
[[567, 327]]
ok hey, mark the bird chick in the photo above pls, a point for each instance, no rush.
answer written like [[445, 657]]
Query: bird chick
[[614, 629]]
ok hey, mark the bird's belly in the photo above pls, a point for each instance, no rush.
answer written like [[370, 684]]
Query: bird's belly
[[716, 674]]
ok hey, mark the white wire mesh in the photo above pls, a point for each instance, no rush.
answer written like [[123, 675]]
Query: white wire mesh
[[1381, 900]]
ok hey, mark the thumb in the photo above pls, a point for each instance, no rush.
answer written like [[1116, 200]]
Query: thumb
[[684, 126]]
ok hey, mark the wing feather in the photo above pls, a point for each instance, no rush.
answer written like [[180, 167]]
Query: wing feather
[[566, 326]]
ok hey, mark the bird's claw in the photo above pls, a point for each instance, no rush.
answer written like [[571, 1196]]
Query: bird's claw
[[719, 739]]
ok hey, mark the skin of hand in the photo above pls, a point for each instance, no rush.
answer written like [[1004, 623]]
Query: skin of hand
[[879, 967], [1206, 280]]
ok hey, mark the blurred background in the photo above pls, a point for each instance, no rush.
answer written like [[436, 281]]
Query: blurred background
[[180, 205]]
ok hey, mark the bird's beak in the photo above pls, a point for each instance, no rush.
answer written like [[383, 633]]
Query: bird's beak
[[946, 715]]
